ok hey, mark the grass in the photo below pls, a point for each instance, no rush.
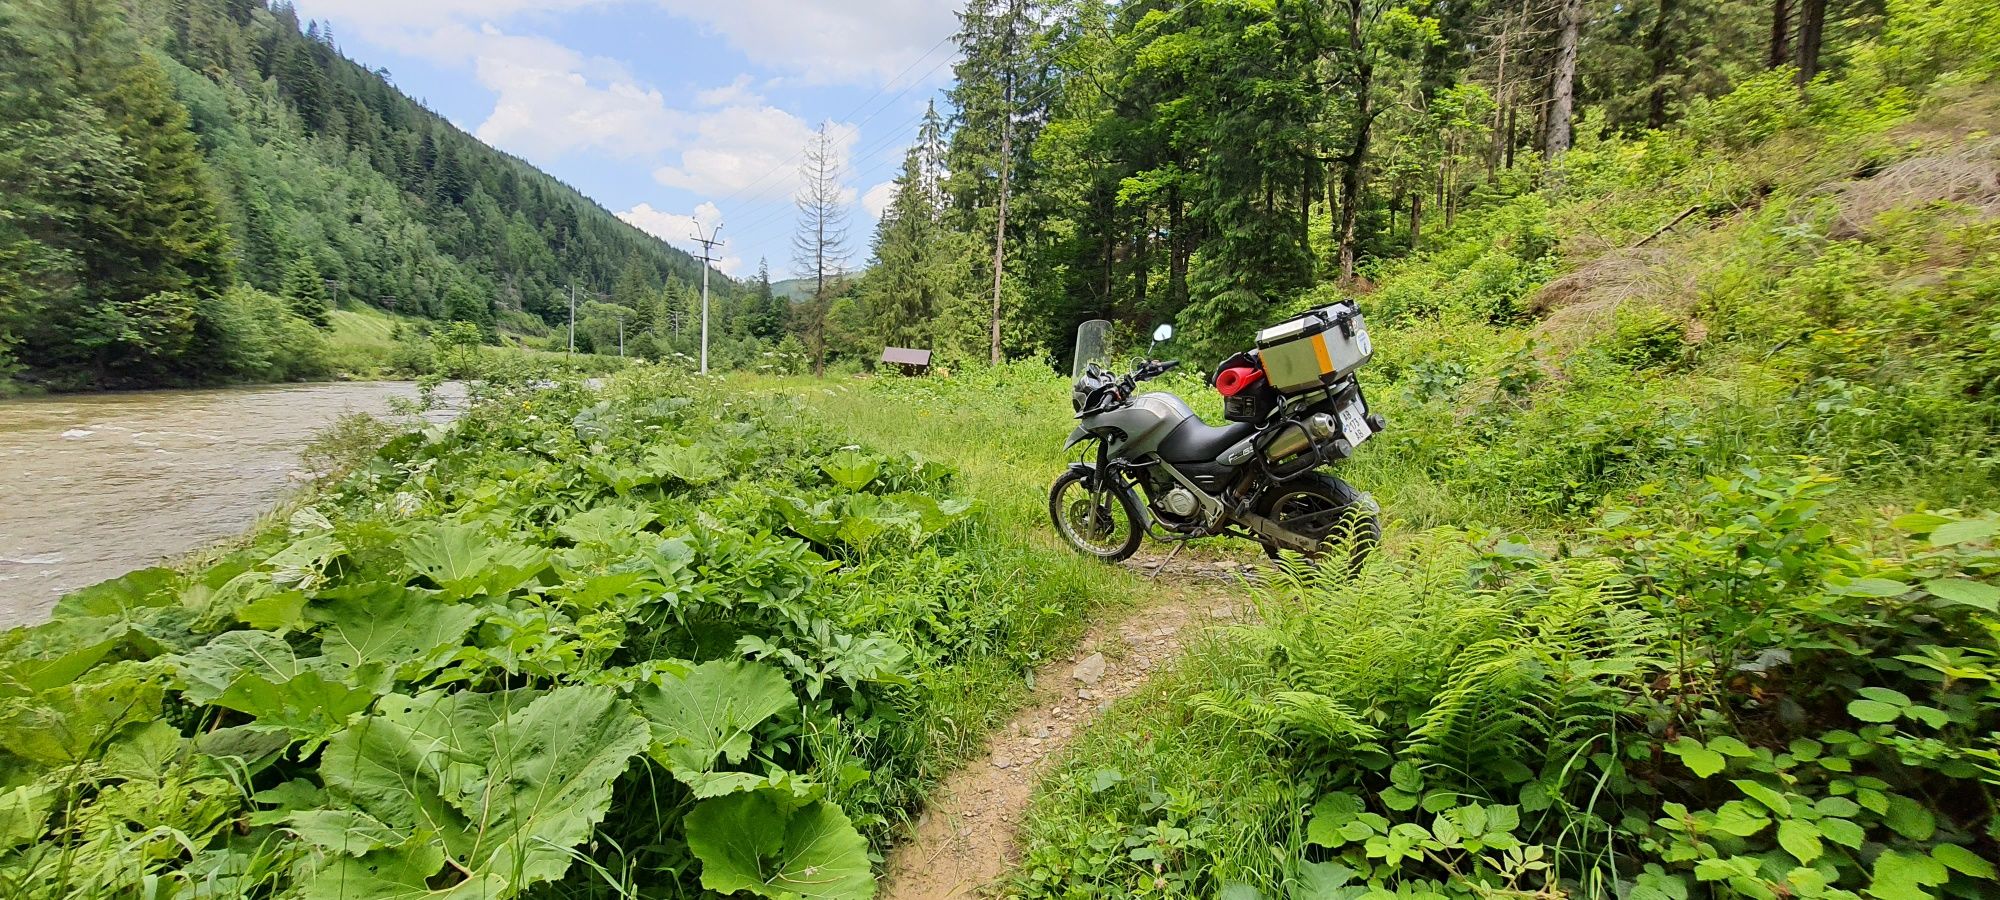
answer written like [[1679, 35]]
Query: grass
[[1002, 431], [368, 328]]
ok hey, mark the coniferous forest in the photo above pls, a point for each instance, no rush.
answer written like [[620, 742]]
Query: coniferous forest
[[189, 187]]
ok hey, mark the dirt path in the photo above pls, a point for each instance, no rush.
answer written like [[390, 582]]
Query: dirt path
[[968, 836]]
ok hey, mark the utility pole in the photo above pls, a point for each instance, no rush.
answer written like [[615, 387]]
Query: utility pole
[[572, 317], [708, 243], [621, 337]]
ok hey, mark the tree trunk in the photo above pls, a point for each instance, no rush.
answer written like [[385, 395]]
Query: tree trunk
[[1781, 33], [1416, 218], [1177, 253], [1350, 176], [1661, 49], [1812, 20], [1501, 108], [1000, 224], [1562, 87], [1511, 126], [1141, 265]]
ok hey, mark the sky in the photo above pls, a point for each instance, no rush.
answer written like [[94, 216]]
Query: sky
[[674, 114]]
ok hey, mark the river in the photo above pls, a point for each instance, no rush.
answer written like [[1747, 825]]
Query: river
[[95, 485]]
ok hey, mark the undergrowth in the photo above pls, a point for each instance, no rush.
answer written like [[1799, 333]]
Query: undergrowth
[[1689, 591], [649, 637]]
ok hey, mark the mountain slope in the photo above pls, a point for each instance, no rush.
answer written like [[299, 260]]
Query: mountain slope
[[313, 178]]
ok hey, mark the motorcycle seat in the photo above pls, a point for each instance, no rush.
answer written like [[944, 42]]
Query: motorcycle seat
[[1195, 441]]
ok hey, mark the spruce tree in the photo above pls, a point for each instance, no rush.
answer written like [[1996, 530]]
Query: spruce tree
[[305, 288]]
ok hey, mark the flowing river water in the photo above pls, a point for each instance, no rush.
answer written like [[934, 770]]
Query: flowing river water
[[95, 485]]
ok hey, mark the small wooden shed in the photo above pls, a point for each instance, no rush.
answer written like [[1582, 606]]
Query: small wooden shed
[[911, 362]]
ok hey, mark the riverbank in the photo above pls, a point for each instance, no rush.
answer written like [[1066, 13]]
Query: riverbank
[[100, 484]]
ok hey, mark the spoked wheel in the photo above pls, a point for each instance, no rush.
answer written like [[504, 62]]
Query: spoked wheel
[[1327, 510], [1099, 520]]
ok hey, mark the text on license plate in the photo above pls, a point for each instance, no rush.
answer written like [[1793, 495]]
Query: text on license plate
[[1354, 425]]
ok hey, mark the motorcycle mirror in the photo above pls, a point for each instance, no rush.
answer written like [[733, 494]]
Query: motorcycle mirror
[[1164, 332]]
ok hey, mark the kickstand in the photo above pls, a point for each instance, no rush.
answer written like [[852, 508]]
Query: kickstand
[[1170, 558]]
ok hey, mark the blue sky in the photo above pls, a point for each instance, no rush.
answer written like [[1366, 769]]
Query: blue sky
[[673, 112]]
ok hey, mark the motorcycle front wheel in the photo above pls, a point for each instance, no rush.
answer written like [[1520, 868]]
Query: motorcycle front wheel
[[1100, 520], [1327, 510]]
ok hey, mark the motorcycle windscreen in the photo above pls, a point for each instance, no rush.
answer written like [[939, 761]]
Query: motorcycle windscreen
[[1093, 345]]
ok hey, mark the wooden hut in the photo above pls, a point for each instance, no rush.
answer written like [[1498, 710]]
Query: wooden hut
[[911, 362]]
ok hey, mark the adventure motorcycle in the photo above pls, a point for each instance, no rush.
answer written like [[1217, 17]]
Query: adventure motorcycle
[[1293, 407]]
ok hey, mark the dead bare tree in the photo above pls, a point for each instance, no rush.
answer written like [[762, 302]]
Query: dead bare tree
[[819, 247]]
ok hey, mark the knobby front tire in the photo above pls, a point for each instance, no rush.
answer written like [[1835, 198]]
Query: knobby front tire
[[1107, 526]]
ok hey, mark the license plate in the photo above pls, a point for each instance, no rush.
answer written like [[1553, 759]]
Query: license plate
[[1354, 424]]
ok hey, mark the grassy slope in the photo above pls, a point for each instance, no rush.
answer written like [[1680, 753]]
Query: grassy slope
[[1826, 307]]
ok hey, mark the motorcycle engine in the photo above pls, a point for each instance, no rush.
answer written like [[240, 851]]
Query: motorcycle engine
[[1179, 502]]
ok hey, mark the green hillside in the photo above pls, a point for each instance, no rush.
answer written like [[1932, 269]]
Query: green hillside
[[160, 157]]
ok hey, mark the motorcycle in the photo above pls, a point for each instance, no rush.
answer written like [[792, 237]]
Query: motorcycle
[[1151, 466]]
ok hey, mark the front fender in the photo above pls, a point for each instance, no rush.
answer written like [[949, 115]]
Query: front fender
[[1076, 437]]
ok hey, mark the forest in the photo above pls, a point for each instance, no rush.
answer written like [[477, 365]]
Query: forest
[[1213, 162], [191, 188], [1688, 588]]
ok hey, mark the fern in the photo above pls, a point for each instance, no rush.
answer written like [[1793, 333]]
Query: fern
[[1515, 680]]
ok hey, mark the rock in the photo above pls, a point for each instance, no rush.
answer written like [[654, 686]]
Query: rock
[[1003, 762], [1043, 732], [1085, 695], [1090, 670], [1222, 612]]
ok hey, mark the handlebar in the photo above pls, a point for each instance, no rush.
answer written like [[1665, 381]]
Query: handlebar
[[1114, 389]]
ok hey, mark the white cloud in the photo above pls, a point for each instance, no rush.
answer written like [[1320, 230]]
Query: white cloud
[[387, 15], [547, 102], [878, 198], [735, 93], [751, 152], [824, 41], [679, 229], [835, 41]]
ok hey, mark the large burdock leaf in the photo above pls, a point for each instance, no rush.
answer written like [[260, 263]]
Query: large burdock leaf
[[54, 653], [852, 469], [769, 844], [399, 873], [123, 597], [256, 673], [710, 712], [498, 787], [694, 466], [465, 562], [550, 780], [75, 722], [608, 527], [404, 630]]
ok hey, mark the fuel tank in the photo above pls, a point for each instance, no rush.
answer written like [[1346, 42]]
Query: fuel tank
[[1138, 427]]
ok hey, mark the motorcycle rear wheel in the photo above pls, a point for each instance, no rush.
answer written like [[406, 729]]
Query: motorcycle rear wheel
[[1330, 512], [1098, 520]]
